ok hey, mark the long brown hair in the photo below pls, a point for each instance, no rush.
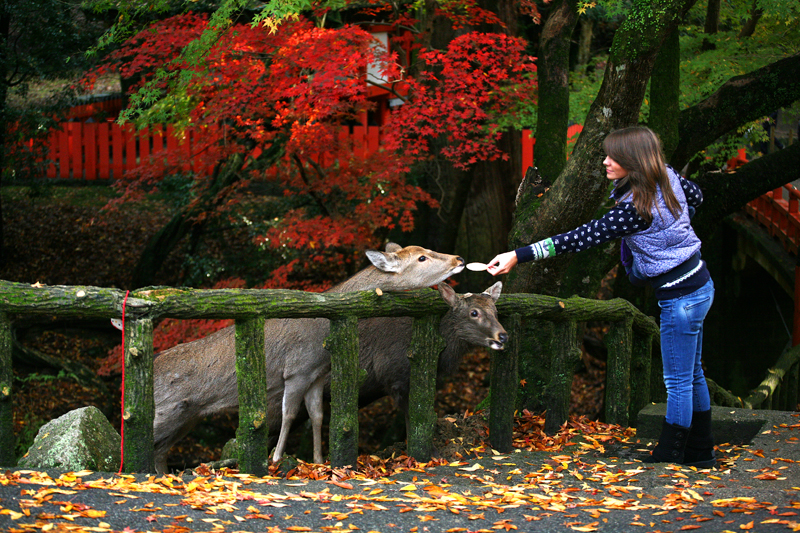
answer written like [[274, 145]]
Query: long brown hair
[[638, 150]]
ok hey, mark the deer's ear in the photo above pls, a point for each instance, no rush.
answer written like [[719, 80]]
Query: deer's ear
[[494, 291], [448, 294], [393, 247], [385, 261]]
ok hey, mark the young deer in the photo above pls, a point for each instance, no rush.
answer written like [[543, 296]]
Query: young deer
[[384, 342], [198, 379]]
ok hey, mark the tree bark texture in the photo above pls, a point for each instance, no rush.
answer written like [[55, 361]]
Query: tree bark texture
[[487, 215], [504, 382], [342, 342], [711, 26], [7, 441], [95, 302], [619, 341], [640, 372], [726, 193], [740, 100], [566, 358], [749, 27], [550, 153], [775, 377], [426, 345], [582, 187], [251, 377], [343, 309], [586, 28], [139, 409], [665, 92]]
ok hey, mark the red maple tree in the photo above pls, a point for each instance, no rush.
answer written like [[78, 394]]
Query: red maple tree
[[280, 102]]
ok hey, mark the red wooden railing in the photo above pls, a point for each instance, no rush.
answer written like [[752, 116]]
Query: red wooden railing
[[778, 212], [104, 150]]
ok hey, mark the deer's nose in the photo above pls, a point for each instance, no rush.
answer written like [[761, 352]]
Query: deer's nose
[[461, 260], [503, 337]]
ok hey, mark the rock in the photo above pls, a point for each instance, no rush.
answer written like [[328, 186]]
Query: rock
[[82, 439], [230, 450]]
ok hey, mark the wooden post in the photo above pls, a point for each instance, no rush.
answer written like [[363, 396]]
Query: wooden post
[[63, 151], [139, 407], [566, 356], [504, 382], [7, 441], [792, 385], [426, 345], [103, 151], [641, 359], [76, 148], [251, 378], [90, 142], [342, 342], [619, 342]]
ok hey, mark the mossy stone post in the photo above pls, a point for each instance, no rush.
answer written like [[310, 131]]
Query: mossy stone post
[[342, 343], [251, 378], [7, 441], [504, 381], [641, 359], [565, 358], [139, 408], [619, 342], [426, 345]]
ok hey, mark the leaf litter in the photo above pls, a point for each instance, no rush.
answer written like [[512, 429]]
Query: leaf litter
[[570, 475]]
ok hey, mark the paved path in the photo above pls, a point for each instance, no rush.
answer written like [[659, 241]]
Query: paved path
[[589, 486]]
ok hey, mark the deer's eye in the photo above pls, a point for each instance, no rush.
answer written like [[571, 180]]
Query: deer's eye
[[474, 313], [422, 258]]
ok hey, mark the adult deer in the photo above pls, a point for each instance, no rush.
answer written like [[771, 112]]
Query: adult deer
[[198, 379]]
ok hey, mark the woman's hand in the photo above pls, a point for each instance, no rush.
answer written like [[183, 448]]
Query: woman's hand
[[502, 264]]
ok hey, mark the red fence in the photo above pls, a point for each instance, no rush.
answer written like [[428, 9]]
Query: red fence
[[106, 151], [778, 212]]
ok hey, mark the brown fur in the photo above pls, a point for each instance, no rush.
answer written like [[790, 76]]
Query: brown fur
[[198, 379]]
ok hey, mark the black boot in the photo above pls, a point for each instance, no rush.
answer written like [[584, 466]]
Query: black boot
[[671, 444], [699, 450]]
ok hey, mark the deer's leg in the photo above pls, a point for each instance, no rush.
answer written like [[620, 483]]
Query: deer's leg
[[313, 401], [292, 398]]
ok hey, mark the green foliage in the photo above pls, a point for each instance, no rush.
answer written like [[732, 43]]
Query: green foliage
[[583, 88], [702, 72]]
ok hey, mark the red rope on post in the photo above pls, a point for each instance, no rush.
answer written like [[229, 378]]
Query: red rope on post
[[122, 420]]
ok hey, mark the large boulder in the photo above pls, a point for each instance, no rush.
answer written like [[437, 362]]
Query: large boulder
[[82, 439]]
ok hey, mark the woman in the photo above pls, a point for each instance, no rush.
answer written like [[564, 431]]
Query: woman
[[659, 247]]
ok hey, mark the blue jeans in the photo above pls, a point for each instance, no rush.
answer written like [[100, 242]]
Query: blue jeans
[[681, 349]]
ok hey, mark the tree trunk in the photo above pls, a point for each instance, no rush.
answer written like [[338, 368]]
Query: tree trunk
[[750, 25], [251, 381], [486, 218], [5, 24], [479, 198], [726, 193], [740, 100], [553, 107], [582, 186], [712, 23], [665, 88], [584, 43], [162, 243], [7, 441]]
